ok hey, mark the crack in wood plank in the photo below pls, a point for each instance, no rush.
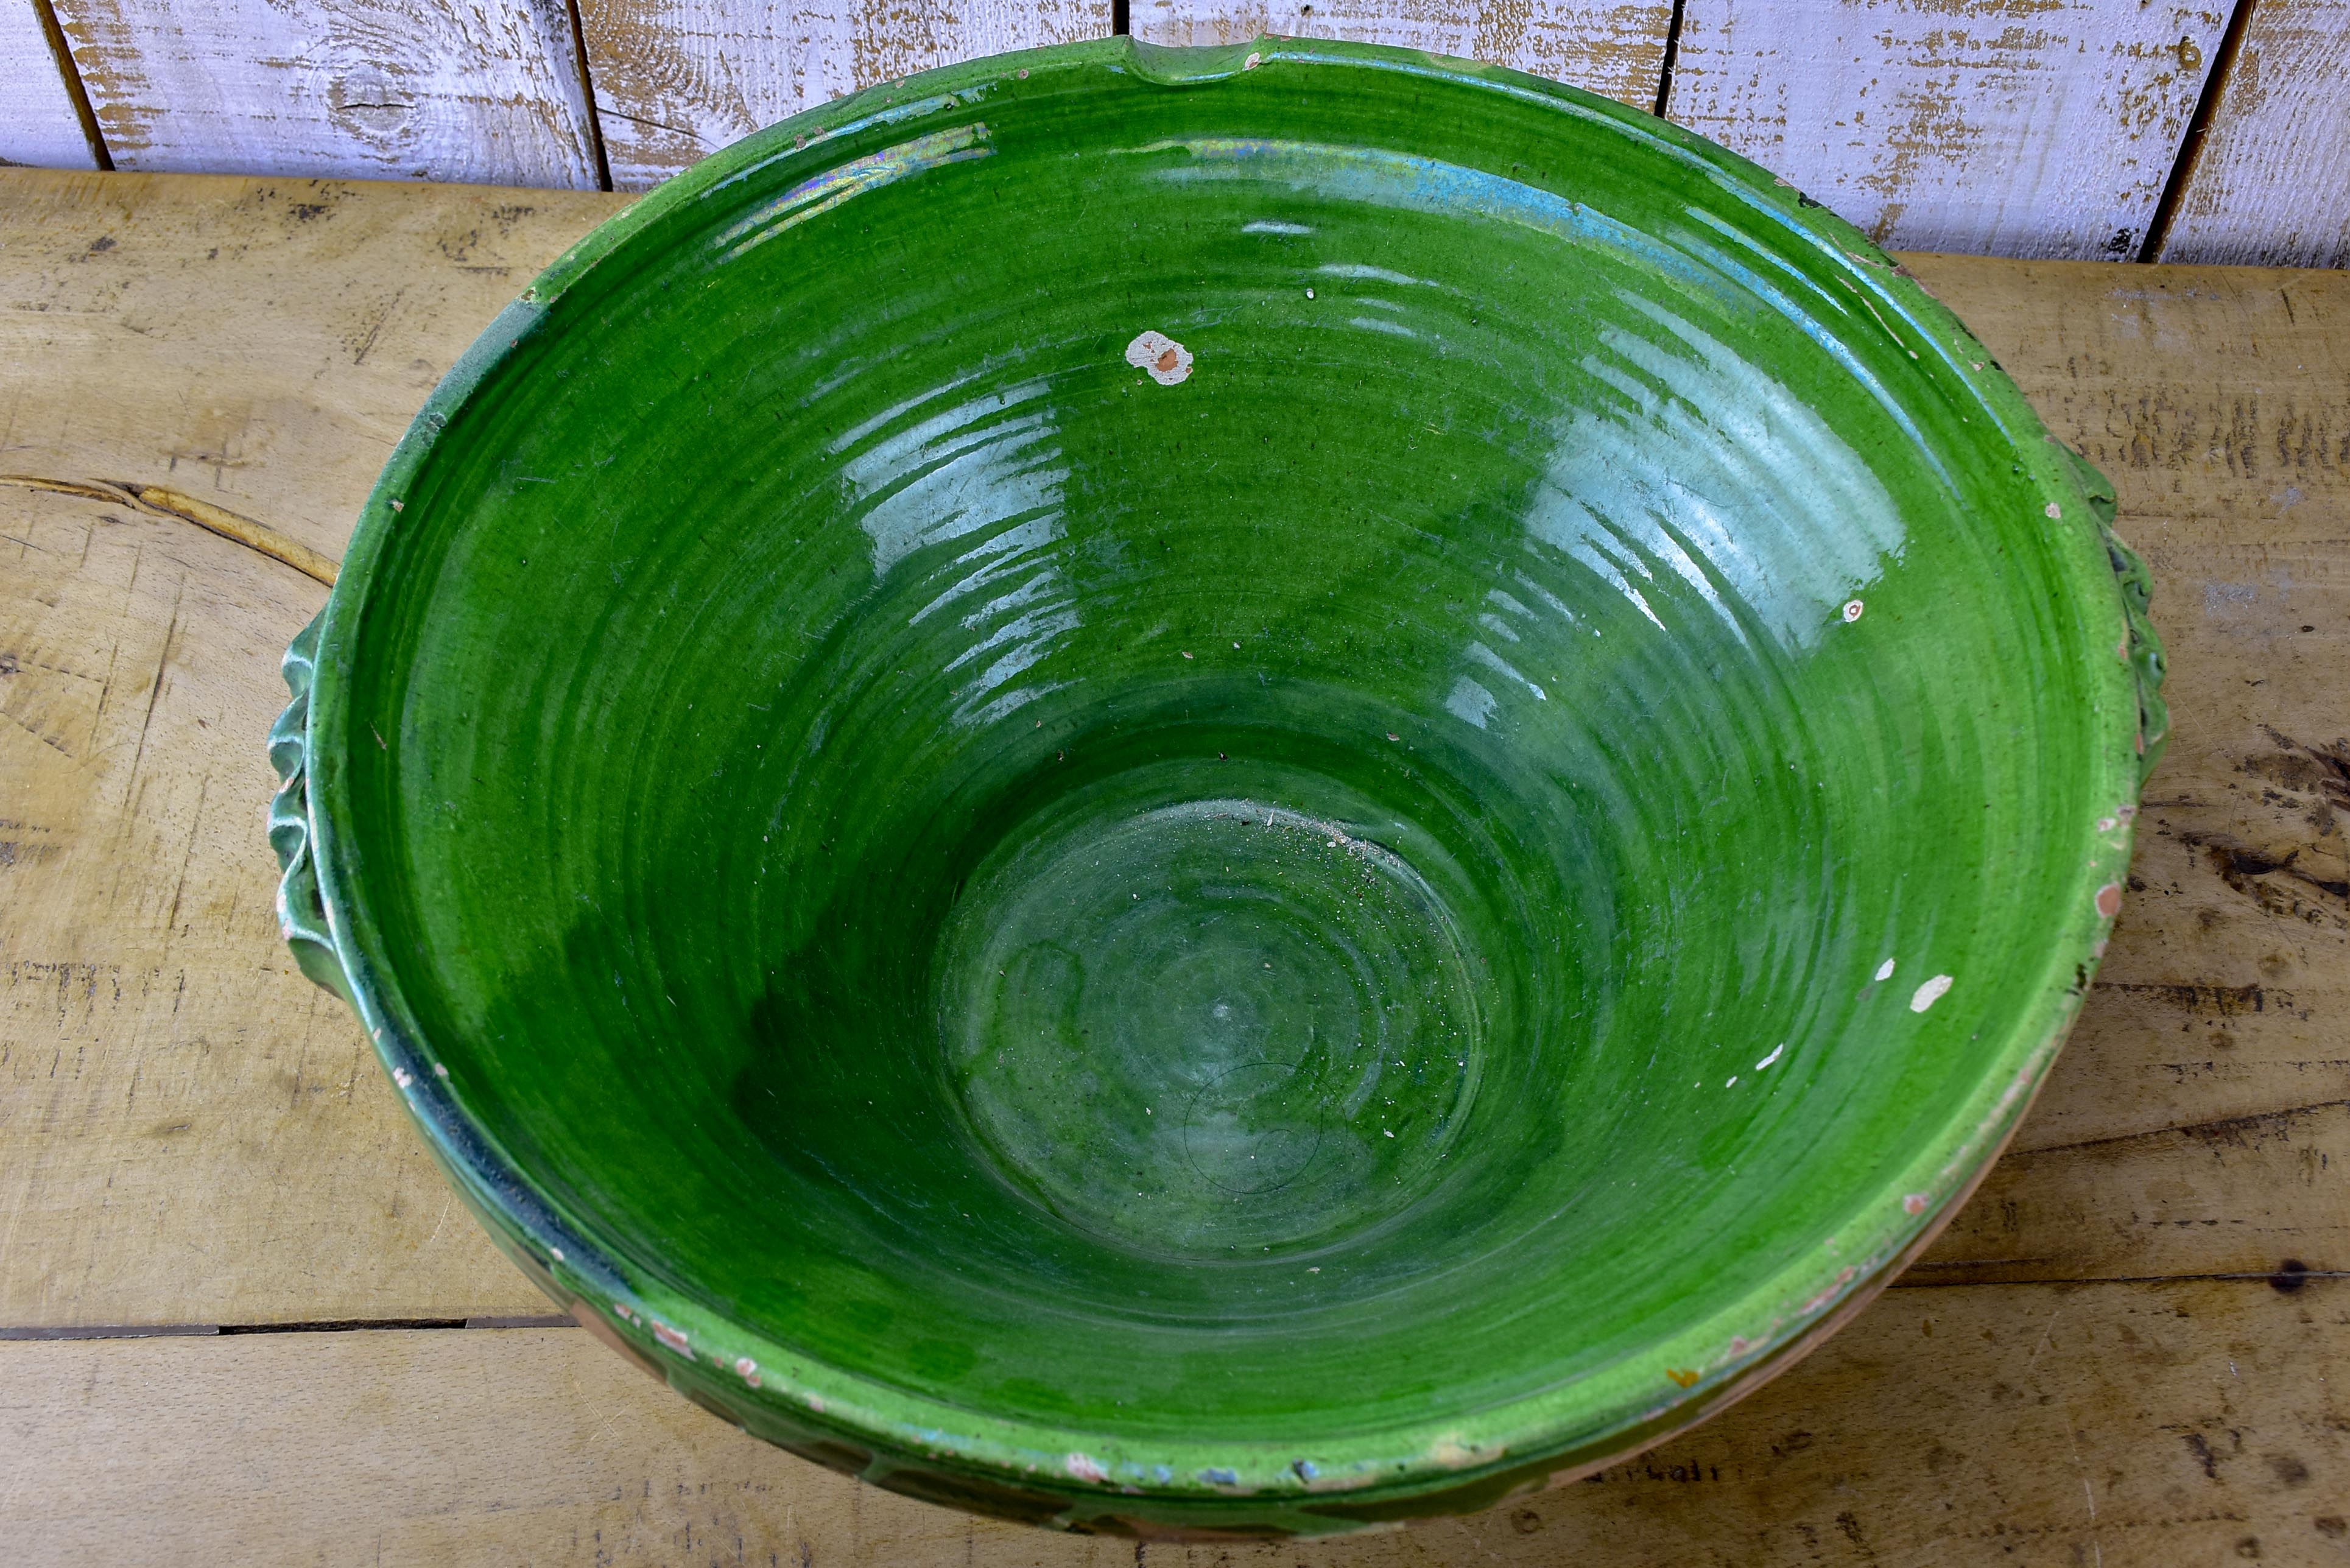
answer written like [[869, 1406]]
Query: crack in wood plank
[[161, 501]]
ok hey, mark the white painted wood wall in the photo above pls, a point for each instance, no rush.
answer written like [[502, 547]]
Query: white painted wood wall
[[2271, 178], [38, 122], [2170, 130], [2047, 129], [677, 79]]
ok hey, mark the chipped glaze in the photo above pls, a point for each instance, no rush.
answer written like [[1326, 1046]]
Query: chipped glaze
[[1160, 358], [1930, 993], [1123, 956]]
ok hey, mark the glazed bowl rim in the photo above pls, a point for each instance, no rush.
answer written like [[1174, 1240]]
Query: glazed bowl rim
[[1645, 1395]]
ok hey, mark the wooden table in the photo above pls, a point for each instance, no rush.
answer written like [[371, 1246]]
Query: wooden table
[[242, 1321]]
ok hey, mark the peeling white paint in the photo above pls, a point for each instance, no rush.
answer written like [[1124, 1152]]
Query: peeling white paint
[[2271, 186], [377, 90], [37, 123], [1611, 47], [678, 79], [2046, 130]]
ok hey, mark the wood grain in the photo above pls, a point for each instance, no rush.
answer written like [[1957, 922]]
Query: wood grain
[[1613, 48], [675, 80], [188, 1134], [37, 123], [2271, 185], [2213, 396], [478, 90], [2241, 1199], [260, 344], [174, 1097], [2120, 1424], [2020, 127]]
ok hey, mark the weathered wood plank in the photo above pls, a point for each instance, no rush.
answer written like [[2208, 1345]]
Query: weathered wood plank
[[2243, 1197], [171, 1090], [38, 122], [2271, 185], [258, 343], [240, 1136], [2228, 994], [677, 79], [191, 1135], [2120, 1424], [2023, 127], [2213, 396], [1613, 48], [478, 90]]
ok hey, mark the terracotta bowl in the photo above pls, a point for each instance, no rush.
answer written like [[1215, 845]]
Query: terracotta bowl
[[1226, 791]]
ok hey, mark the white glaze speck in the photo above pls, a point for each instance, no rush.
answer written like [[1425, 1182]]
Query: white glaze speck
[[1929, 993]]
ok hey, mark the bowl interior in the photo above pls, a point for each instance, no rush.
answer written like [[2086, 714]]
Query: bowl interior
[[1289, 755]]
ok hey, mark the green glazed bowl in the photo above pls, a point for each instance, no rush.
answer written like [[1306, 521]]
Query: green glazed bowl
[[1240, 791]]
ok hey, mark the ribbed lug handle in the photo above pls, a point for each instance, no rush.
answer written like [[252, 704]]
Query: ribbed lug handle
[[301, 913], [2143, 649]]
